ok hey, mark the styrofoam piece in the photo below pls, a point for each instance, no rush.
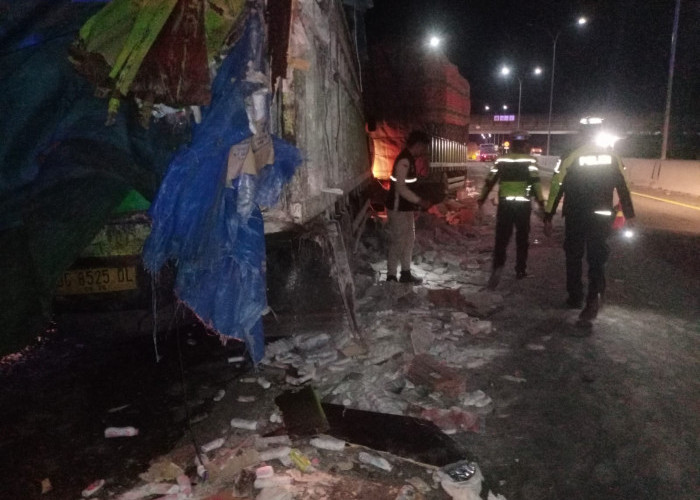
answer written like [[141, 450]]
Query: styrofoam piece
[[213, 445], [274, 453], [327, 443], [270, 482], [240, 423], [264, 472], [113, 432], [374, 460]]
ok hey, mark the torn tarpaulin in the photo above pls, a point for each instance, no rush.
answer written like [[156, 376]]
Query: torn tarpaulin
[[214, 228]]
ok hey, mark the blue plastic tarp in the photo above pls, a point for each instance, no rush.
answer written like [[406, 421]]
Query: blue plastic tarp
[[214, 231]]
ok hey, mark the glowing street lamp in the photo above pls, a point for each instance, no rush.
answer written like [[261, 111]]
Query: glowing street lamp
[[581, 21], [434, 41], [505, 107], [487, 107]]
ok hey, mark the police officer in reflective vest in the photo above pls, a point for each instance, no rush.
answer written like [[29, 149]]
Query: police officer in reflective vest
[[401, 204], [519, 180], [586, 178]]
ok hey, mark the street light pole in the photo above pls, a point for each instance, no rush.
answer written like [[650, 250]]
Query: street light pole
[[551, 89], [520, 96], [505, 70], [581, 21], [671, 64]]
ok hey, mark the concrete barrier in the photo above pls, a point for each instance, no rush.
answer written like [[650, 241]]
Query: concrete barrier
[[641, 172], [547, 163], [680, 176]]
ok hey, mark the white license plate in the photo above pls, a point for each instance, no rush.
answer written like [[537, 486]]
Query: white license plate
[[97, 280]]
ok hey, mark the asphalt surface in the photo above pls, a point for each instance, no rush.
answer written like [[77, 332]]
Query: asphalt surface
[[59, 395], [605, 413], [610, 412], [667, 211]]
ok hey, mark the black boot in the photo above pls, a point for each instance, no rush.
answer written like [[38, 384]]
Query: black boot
[[391, 277], [495, 278], [407, 277], [574, 302], [590, 312]]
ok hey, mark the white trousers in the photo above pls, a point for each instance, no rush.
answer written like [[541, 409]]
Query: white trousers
[[402, 234]]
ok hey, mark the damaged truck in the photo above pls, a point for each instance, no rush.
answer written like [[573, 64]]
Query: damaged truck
[[170, 146]]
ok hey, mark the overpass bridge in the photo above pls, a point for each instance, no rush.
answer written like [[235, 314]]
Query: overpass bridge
[[563, 124], [642, 135]]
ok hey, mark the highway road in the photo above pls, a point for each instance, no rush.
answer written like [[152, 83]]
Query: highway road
[[609, 413], [656, 209]]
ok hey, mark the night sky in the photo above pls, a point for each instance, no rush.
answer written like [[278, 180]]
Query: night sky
[[619, 61]]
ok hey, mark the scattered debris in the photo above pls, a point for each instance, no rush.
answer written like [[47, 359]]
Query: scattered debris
[[113, 432], [93, 488], [403, 394], [240, 423], [452, 420], [299, 380], [185, 485], [46, 486], [275, 493], [228, 464], [199, 418], [264, 472], [328, 443], [426, 370], [274, 453], [374, 460], [160, 470], [273, 481], [407, 492], [148, 490], [262, 443], [535, 347], [118, 408], [481, 304], [419, 485], [300, 460], [477, 326], [462, 480], [213, 445], [478, 399]]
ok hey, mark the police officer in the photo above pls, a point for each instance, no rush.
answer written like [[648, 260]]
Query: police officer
[[402, 203], [586, 178], [518, 179]]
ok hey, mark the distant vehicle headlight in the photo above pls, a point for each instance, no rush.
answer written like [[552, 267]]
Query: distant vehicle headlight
[[606, 140]]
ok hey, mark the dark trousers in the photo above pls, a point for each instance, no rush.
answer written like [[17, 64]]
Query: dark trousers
[[509, 214], [586, 234]]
